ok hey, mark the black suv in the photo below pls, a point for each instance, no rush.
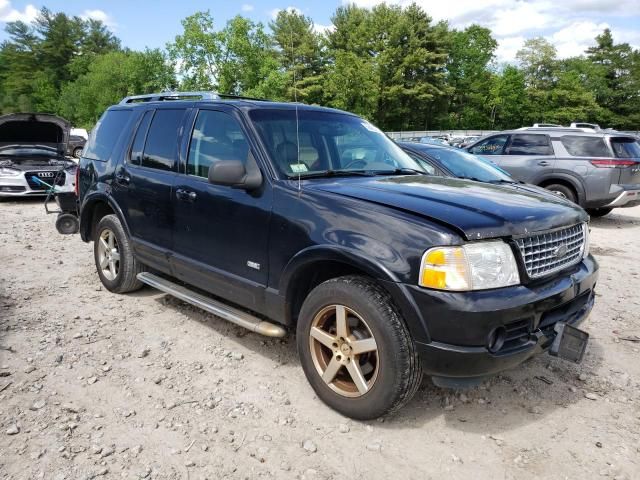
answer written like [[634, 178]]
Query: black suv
[[276, 215]]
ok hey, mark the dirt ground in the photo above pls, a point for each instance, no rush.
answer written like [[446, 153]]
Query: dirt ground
[[98, 385]]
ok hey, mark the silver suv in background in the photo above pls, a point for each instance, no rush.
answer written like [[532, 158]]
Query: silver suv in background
[[599, 171]]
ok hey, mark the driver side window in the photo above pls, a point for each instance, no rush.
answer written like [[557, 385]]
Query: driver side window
[[216, 136], [491, 146]]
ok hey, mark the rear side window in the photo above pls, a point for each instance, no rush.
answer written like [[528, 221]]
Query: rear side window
[[161, 147], [106, 133], [624, 147], [579, 146], [530, 145], [491, 146], [135, 156]]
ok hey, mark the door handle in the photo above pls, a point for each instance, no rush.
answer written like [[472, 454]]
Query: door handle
[[544, 163], [123, 178], [186, 195]]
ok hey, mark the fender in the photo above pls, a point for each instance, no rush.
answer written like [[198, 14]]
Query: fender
[[372, 267], [568, 177], [86, 212]]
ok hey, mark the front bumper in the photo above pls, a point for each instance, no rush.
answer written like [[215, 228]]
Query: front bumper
[[463, 325], [629, 197], [18, 186]]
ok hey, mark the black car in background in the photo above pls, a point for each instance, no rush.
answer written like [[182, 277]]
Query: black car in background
[[75, 146]]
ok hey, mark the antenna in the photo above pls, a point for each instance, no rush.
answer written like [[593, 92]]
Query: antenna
[[295, 98]]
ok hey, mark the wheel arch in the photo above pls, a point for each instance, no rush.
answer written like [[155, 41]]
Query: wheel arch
[[567, 180], [315, 265], [93, 209]]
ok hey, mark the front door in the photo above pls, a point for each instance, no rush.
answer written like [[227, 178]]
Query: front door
[[221, 233]]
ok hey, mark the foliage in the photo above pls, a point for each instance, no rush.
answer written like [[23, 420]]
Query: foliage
[[391, 64]]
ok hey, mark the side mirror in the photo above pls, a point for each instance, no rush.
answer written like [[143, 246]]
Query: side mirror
[[232, 173]]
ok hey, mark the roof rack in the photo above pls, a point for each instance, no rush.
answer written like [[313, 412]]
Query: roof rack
[[168, 96]]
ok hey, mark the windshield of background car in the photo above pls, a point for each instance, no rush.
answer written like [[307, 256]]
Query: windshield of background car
[[464, 165], [625, 147], [319, 141]]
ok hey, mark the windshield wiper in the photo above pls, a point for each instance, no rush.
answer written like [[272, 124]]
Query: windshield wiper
[[333, 173], [401, 171]]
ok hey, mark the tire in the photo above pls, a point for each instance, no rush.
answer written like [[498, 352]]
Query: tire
[[390, 375], [121, 275], [599, 212], [77, 152], [563, 191], [67, 224]]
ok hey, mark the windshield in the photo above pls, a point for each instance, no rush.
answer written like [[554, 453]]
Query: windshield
[[327, 142], [465, 165], [29, 151], [625, 147]]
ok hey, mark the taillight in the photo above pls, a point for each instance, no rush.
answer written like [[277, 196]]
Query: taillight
[[612, 163], [76, 187]]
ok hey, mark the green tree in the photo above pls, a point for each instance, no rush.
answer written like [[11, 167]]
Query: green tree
[[111, 77], [510, 104], [299, 54], [239, 59], [471, 53]]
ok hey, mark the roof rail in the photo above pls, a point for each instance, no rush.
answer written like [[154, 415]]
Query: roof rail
[[167, 96], [162, 96], [552, 129]]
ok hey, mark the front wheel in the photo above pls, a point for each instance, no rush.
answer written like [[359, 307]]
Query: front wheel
[[355, 349], [599, 212], [77, 152], [116, 265]]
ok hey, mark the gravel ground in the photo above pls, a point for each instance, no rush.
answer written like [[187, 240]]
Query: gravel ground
[[98, 385]]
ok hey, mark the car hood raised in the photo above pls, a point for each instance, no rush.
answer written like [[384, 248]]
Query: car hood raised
[[34, 129], [477, 210]]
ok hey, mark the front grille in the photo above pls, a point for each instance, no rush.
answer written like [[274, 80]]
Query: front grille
[[546, 253], [48, 177]]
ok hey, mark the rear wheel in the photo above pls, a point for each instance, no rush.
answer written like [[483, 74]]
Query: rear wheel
[[356, 350], [116, 265], [77, 152], [599, 212], [563, 191]]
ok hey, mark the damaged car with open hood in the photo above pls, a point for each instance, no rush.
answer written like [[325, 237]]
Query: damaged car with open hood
[[32, 155]]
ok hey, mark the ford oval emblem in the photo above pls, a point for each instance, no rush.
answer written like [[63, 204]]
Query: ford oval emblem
[[560, 251]]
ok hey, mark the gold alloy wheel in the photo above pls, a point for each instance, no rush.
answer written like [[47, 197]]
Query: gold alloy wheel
[[108, 254], [344, 351]]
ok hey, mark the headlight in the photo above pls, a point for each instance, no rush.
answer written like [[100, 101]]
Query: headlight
[[585, 248], [9, 172], [474, 266]]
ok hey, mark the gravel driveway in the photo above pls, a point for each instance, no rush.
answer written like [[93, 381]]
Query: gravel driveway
[[98, 385]]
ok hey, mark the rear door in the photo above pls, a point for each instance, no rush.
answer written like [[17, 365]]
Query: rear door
[[528, 157], [145, 182]]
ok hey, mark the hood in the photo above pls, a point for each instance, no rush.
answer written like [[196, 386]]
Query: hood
[[34, 129], [477, 210]]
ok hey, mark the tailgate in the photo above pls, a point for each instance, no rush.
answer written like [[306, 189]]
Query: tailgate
[[627, 149]]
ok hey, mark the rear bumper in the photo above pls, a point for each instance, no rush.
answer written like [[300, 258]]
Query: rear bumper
[[461, 337], [629, 197]]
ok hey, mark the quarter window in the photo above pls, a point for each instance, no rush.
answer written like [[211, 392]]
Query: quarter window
[[216, 136], [583, 146], [161, 148], [491, 146], [530, 145], [106, 133], [625, 147]]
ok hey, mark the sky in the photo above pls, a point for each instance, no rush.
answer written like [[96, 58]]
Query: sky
[[570, 25]]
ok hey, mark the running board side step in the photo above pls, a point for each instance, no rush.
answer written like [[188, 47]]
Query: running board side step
[[219, 309]]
